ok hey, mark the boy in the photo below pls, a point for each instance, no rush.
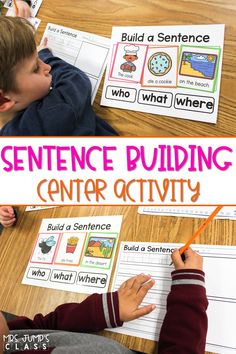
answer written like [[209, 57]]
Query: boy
[[183, 330], [39, 93]]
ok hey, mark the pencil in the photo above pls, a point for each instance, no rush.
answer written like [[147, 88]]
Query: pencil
[[199, 230], [16, 7]]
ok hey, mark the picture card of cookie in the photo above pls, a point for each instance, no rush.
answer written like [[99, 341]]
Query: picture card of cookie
[[74, 254], [127, 62], [166, 70], [198, 68], [161, 67]]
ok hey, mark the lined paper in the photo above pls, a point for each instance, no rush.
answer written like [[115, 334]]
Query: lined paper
[[154, 258]]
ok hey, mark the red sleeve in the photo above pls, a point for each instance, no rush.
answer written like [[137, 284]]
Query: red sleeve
[[185, 324], [95, 313]]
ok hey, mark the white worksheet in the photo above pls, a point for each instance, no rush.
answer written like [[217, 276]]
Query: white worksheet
[[166, 70], [154, 258], [228, 212], [38, 207], [74, 254], [86, 51]]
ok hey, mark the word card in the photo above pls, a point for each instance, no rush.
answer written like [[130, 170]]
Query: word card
[[74, 254], [154, 258], [86, 51], [170, 70]]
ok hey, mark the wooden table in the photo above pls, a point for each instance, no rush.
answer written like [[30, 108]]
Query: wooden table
[[16, 245], [99, 17]]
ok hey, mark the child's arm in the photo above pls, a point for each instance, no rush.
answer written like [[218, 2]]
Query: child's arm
[[69, 84], [97, 312], [185, 325], [7, 216], [23, 8]]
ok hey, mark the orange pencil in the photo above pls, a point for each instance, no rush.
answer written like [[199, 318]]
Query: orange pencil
[[16, 7], [199, 230]]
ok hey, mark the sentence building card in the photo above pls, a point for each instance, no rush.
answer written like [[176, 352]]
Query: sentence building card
[[74, 254], [169, 70]]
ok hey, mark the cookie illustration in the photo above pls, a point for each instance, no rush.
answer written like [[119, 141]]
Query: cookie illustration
[[159, 64]]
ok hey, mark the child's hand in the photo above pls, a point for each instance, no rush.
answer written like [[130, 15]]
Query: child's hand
[[192, 260], [23, 9], [43, 44], [131, 293], [7, 216]]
